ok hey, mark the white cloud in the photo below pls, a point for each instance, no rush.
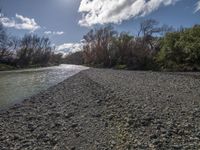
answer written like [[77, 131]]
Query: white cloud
[[20, 22], [198, 6], [59, 32], [116, 11], [54, 33], [47, 32], [67, 48]]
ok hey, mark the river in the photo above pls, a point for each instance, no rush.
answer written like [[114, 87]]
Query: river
[[20, 84]]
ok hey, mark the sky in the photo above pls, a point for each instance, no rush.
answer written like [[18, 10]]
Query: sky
[[66, 21]]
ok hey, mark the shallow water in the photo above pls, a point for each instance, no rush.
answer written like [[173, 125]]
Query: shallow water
[[18, 85]]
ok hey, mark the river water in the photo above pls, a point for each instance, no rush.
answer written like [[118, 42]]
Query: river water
[[18, 85]]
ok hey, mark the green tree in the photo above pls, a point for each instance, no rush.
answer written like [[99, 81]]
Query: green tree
[[180, 50]]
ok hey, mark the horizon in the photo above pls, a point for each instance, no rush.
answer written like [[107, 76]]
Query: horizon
[[65, 22]]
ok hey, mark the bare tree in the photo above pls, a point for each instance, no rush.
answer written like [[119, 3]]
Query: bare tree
[[97, 45], [34, 50], [5, 43], [148, 27], [8, 44]]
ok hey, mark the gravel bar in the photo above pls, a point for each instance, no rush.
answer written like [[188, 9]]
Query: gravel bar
[[104, 109]]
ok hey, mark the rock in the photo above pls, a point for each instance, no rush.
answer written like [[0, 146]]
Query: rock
[[31, 127], [77, 134], [110, 117], [98, 101], [177, 147], [146, 121], [98, 115], [86, 106], [129, 121], [113, 143], [73, 148], [57, 124], [198, 134], [153, 136], [106, 124], [69, 115], [74, 125], [156, 142]]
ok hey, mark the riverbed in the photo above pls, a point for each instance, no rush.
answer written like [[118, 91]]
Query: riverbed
[[99, 109]]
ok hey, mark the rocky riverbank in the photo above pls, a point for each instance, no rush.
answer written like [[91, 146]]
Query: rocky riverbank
[[108, 109]]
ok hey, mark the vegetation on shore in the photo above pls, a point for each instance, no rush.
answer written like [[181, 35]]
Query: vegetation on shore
[[28, 52], [154, 48], [4, 67]]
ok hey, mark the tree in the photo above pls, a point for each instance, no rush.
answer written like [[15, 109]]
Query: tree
[[148, 27], [56, 58], [74, 58], [150, 30], [180, 50], [106, 48], [34, 50], [122, 45], [96, 49], [6, 44]]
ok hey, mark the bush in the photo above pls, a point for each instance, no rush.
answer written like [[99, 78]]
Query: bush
[[4, 67], [120, 67], [180, 50]]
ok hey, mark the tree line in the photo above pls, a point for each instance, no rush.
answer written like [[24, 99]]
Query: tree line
[[29, 51], [155, 47]]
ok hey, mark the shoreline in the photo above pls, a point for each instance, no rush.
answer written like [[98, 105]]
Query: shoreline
[[18, 102], [195, 75], [13, 68], [113, 109]]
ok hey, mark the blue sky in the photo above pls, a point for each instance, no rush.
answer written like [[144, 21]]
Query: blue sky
[[66, 21]]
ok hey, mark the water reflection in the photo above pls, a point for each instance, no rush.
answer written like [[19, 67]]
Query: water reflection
[[20, 84]]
